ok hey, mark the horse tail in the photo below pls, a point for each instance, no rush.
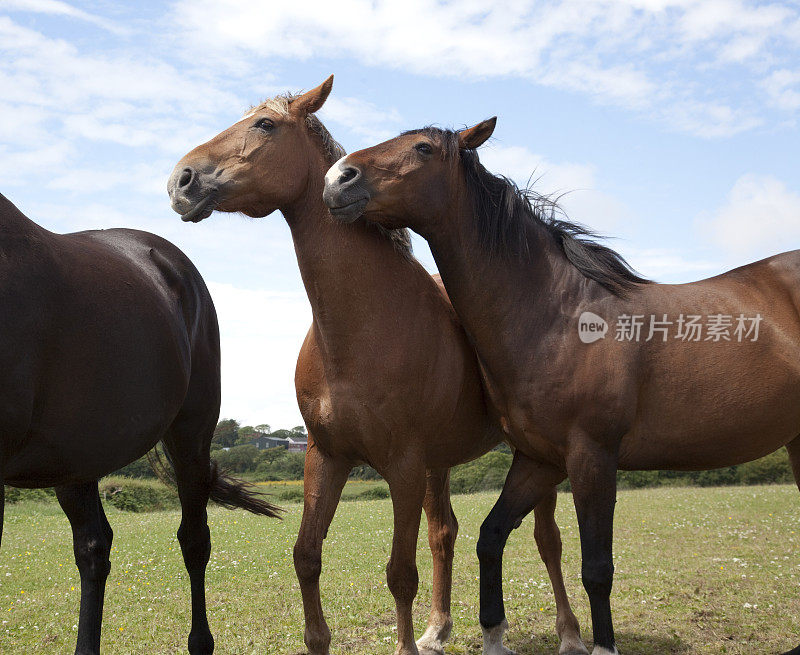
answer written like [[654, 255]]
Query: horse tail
[[226, 490], [233, 493]]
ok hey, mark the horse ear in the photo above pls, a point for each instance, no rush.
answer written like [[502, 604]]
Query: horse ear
[[312, 100], [475, 136]]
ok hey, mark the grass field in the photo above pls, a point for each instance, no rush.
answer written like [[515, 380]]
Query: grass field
[[698, 571]]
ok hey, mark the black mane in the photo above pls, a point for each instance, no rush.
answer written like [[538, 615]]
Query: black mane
[[504, 212]]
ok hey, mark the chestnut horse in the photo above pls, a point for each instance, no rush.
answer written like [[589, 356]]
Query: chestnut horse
[[385, 376], [527, 287], [109, 344]]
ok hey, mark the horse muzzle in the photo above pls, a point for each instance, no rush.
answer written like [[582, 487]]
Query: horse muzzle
[[190, 195], [345, 193]]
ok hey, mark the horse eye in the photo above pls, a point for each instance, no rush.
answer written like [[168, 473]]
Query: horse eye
[[265, 124], [423, 148]]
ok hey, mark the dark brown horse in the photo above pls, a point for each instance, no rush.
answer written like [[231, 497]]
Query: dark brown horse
[[385, 376], [536, 295], [108, 345]]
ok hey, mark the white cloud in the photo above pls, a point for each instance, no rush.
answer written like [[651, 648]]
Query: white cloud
[[665, 265], [124, 98], [141, 178], [783, 88], [761, 217], [520, 164], [646, 55], [262, 332], [57, 8], [575, 185], [368, 122], [18, 167]]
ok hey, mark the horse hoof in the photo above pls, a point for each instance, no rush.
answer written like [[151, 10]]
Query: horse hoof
[[201, 644], [573, 646], [600, 650], [430, 651], [493, 640]]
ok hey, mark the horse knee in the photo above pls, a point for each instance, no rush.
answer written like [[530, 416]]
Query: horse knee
[[548, 541], [92, 557], [307, 561], [597, 576], [195, 546], [490, 544], [402, 579], [443, 539]]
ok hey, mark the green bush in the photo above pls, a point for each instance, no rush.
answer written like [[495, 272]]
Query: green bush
[[772, 469], [238, 459], [364, 472], [133, 495], [291, 495], [376, 493], [16, 495], [717, 477], [482, 474], [139, 469], [637, 479]]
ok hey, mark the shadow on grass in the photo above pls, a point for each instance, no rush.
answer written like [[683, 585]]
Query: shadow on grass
[[628, 642]]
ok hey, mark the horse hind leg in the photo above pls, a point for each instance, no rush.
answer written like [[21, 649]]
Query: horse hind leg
[[548, 540], [793, 449], [190, 457], [442, 532], [92, 537]]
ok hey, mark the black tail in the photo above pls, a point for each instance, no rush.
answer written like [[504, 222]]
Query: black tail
[[231, 492], [227, 491]]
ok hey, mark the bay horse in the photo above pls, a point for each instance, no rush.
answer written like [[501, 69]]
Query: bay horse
[[526, 285], [109, 344], [386, 375]]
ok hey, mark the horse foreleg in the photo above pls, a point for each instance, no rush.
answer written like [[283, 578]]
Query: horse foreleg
[[548, 540], [323, 480], [442, 531], [407, 486], [593, 475], [92, 537], [527, 483]]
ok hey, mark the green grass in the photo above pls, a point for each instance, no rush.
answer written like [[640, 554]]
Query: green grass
[[698, 571]]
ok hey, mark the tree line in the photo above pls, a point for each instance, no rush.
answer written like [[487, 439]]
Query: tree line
[[233, 449]]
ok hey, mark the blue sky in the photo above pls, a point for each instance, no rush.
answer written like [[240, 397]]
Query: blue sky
[[674, 124]]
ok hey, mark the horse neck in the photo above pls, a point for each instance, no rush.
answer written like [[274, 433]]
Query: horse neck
[[352, 274], [507, 303]]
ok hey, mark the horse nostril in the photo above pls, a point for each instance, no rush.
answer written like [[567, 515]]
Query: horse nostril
[[186, 178], [348, 175]]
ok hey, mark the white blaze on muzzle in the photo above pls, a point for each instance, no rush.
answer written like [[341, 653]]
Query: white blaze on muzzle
[[334, 172]]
